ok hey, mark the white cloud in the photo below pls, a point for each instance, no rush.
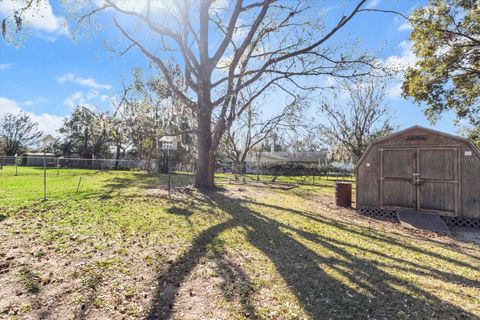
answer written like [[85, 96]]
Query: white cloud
[[395, 91], [48, 123], [373, 3], [8, 106], [81, 98], [46, 37], [5, 66], [74, 99], [224, 63], [406, 26], [398, 64], [141, 6], [219, 6], [325, 11], [330, 82], [407, 58], [39, 17], [87, 82]]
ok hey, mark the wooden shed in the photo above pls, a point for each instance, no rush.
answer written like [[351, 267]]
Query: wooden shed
[[424, 170]]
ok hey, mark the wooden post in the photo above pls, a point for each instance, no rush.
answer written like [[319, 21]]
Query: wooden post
[[168, 170], [44, 176], [78, 185]]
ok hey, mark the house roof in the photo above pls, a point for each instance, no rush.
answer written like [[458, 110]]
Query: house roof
[[279, 156], [37, 154], [47, 137]]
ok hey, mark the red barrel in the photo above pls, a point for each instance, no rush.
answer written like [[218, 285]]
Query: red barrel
[[343, 194]]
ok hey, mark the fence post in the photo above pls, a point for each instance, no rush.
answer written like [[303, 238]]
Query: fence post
[[16, 169], [44, 176], [78, 185]]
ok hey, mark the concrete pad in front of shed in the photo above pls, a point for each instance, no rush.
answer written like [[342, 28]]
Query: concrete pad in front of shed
[[422, 221]]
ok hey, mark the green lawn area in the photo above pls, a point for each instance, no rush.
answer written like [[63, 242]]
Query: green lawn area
[[120, 249]]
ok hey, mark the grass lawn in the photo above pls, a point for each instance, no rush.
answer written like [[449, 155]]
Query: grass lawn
[[120, 249]]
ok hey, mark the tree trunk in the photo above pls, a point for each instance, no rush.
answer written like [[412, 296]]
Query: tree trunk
[[204, 175], [117, 157], [237, 167]]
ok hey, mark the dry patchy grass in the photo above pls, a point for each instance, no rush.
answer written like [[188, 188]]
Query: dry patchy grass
[[120, 249]]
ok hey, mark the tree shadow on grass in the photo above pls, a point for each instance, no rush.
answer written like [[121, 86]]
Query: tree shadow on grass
[[334, 285], [374, 236], [237, 285], [149, 181], [180, 211]]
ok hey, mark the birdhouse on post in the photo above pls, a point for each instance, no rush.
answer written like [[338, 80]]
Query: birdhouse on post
[[169, 142]]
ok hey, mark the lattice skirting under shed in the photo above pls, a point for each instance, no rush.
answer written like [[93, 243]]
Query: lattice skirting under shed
[[462, 222], [379, 213]]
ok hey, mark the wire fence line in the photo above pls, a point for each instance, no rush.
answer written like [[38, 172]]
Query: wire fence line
[[38, 177], [75, 163], [41, 177], [33, 183], [274, 168]]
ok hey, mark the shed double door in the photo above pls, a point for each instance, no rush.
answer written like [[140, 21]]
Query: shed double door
[[423, 179]]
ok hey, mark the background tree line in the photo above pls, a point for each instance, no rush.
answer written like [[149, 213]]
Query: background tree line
[[214, 68]]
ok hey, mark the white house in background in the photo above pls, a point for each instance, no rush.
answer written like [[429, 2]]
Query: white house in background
[[45, 142], [343, 165], [254, 159]]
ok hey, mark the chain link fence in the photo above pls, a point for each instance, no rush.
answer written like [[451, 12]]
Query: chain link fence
[[37, 177], [49, 160], [34, 177], [292, 170]]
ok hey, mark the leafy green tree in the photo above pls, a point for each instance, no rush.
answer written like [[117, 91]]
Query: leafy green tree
[[446, 41], [86, 134], [18, 131], [473, 133], [147, 112]]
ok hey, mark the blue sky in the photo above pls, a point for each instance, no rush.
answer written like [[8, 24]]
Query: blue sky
[[50, 73]]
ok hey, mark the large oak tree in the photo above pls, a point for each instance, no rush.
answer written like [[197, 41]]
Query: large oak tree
[[225, 47]]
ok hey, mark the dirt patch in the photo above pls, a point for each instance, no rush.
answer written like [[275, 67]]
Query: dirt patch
[[163, 192], [466, 235], [40, 282], [262, 184]]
